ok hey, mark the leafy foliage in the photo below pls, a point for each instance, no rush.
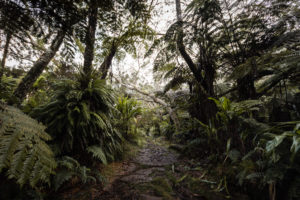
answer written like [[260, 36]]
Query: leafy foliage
[[98, 153], [79, 117], [128, 109], [293, 137], [69, 168], [277, 163], [7, 85], [24, 154], [254, 152]]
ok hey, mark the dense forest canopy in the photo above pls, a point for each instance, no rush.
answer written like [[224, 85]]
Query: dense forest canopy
[[224, 93]]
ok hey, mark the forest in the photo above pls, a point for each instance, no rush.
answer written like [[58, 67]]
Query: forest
[[149, 99]]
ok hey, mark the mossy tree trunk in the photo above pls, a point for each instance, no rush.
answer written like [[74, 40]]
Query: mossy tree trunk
[[5, 53], [27, 82], [90, 41], [108, 60]]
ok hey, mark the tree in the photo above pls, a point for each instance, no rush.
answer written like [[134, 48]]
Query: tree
[[27, 82], [90, 40], [245, 36], [127, 26], [204, 70], [57, 14], [13, 22], [5, 53], [171, 112]]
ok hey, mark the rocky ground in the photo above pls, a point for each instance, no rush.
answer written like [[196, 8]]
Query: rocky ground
[[155, 173], [136, 177]]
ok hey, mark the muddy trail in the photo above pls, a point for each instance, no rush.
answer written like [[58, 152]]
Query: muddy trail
[[155, 173]]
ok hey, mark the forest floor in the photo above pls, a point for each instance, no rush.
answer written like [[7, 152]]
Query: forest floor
[[136, 177], [154, 173]]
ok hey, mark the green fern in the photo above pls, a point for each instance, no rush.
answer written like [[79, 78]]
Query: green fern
[[7, 85], [69, 168], [23, 149], [98, 153], [78, 117]]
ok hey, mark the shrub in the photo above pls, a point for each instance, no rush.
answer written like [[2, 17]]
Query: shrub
[[80, 119]]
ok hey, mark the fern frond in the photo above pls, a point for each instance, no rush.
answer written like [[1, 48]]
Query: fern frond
[[98, 153], [23, 149], [76, 115], [174, 83], [69, 168], [61, 177]]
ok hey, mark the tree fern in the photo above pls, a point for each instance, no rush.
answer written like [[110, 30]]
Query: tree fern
[[24, 153], [288, 67]]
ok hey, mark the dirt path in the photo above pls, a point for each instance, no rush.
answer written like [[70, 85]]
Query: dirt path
[[157, 173], [136, 179]]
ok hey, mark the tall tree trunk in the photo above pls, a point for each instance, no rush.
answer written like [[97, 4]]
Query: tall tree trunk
[[201, 107], [107, 61], [205, 108], [90, 41], [246, 88], [245, 85], [181, 46], [27, 82], [5, 53]]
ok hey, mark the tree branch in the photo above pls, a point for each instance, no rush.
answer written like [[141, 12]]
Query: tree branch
[[171, 111]]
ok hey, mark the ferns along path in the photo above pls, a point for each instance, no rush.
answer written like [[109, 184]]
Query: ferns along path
[[152, 99]]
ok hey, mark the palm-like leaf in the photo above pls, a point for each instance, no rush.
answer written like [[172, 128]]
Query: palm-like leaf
[[81, 117], [127, 109]]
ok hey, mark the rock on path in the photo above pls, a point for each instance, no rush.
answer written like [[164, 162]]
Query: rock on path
[[154, 155]]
